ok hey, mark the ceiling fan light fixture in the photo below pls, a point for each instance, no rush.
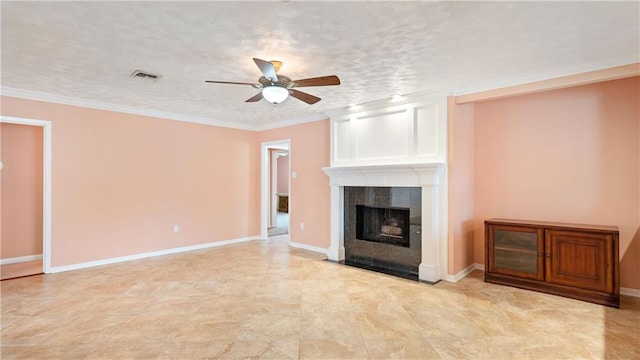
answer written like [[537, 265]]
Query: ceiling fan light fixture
[[275, 94], [275, 88]]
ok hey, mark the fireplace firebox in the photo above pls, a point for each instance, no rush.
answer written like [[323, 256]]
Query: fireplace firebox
[[387, 225]]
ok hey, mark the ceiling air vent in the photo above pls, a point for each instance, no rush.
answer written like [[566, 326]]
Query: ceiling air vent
[[144, 75]]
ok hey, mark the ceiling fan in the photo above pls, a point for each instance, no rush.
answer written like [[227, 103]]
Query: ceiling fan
[[276, 88]]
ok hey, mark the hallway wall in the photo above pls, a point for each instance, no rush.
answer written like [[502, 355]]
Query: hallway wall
[[21, 187]]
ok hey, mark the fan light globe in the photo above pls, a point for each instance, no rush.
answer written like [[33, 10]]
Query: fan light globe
[[275, 94]]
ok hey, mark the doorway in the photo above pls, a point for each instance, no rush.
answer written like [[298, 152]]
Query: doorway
[[275, 197], [14, 265]]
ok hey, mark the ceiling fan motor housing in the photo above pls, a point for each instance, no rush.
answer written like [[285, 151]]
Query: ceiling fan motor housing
[[283, 81]]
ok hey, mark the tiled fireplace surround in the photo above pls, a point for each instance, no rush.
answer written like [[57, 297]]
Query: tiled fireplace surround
[[382, 228]]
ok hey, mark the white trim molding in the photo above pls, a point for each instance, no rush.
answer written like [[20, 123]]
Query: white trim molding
[[621, 66], [46, 182], [630, 292], [20, 259], [308, 247], [520, 84], [265, 192], [411, 129], [120, 259], [460, 274], [291, 122], [100, 105]]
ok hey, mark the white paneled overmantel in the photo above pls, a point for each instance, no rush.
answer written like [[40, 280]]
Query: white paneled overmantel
[[409, 130], [388, 143]]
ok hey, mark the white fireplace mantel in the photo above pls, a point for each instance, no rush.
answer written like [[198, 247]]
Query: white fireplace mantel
[[427, 176], [385, 175]]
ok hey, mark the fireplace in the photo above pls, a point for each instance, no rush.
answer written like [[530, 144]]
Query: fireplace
[[387, 144], [413, 186], [387, 225]]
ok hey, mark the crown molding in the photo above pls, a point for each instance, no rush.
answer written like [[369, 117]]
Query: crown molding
[[550, 80], [66, 100], [59, 99], [516, 85], [292, 121]]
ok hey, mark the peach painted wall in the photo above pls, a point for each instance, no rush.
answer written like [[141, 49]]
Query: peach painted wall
[[283, 174], [309, 193], [1, 165], [21, 190], [120, 182], [631, 258], [460, 170], [568, 155]]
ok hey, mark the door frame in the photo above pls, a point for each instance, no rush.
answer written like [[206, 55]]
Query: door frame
[[265, 183], [273, 187], [46, 183]]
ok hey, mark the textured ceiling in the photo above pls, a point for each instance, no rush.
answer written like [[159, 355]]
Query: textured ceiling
[[85, 51]]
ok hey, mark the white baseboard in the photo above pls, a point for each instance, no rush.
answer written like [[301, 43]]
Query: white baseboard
[[463, 273], [308, 247], [89, 264], [20, 259], [460, 274], [630, 292]]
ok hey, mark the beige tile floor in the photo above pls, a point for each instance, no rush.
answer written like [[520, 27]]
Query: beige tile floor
[[262, 299], [282, 225]]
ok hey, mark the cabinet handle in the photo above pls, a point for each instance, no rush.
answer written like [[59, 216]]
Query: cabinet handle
[[540, 254], [548, 255]]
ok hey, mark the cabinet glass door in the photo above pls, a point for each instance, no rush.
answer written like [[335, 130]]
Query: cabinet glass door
[[514, 250]]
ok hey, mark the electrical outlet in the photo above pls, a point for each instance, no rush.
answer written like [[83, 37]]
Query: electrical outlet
[[176, 228], [302, 226]]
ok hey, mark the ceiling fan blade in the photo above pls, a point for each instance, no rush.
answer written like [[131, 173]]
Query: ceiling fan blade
[[256, 97], [267, 68], [318, 81], [308, 98], [230, 82]]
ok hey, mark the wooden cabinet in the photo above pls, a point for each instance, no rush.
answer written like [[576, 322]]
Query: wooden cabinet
[[283, 203], [576, 261]]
